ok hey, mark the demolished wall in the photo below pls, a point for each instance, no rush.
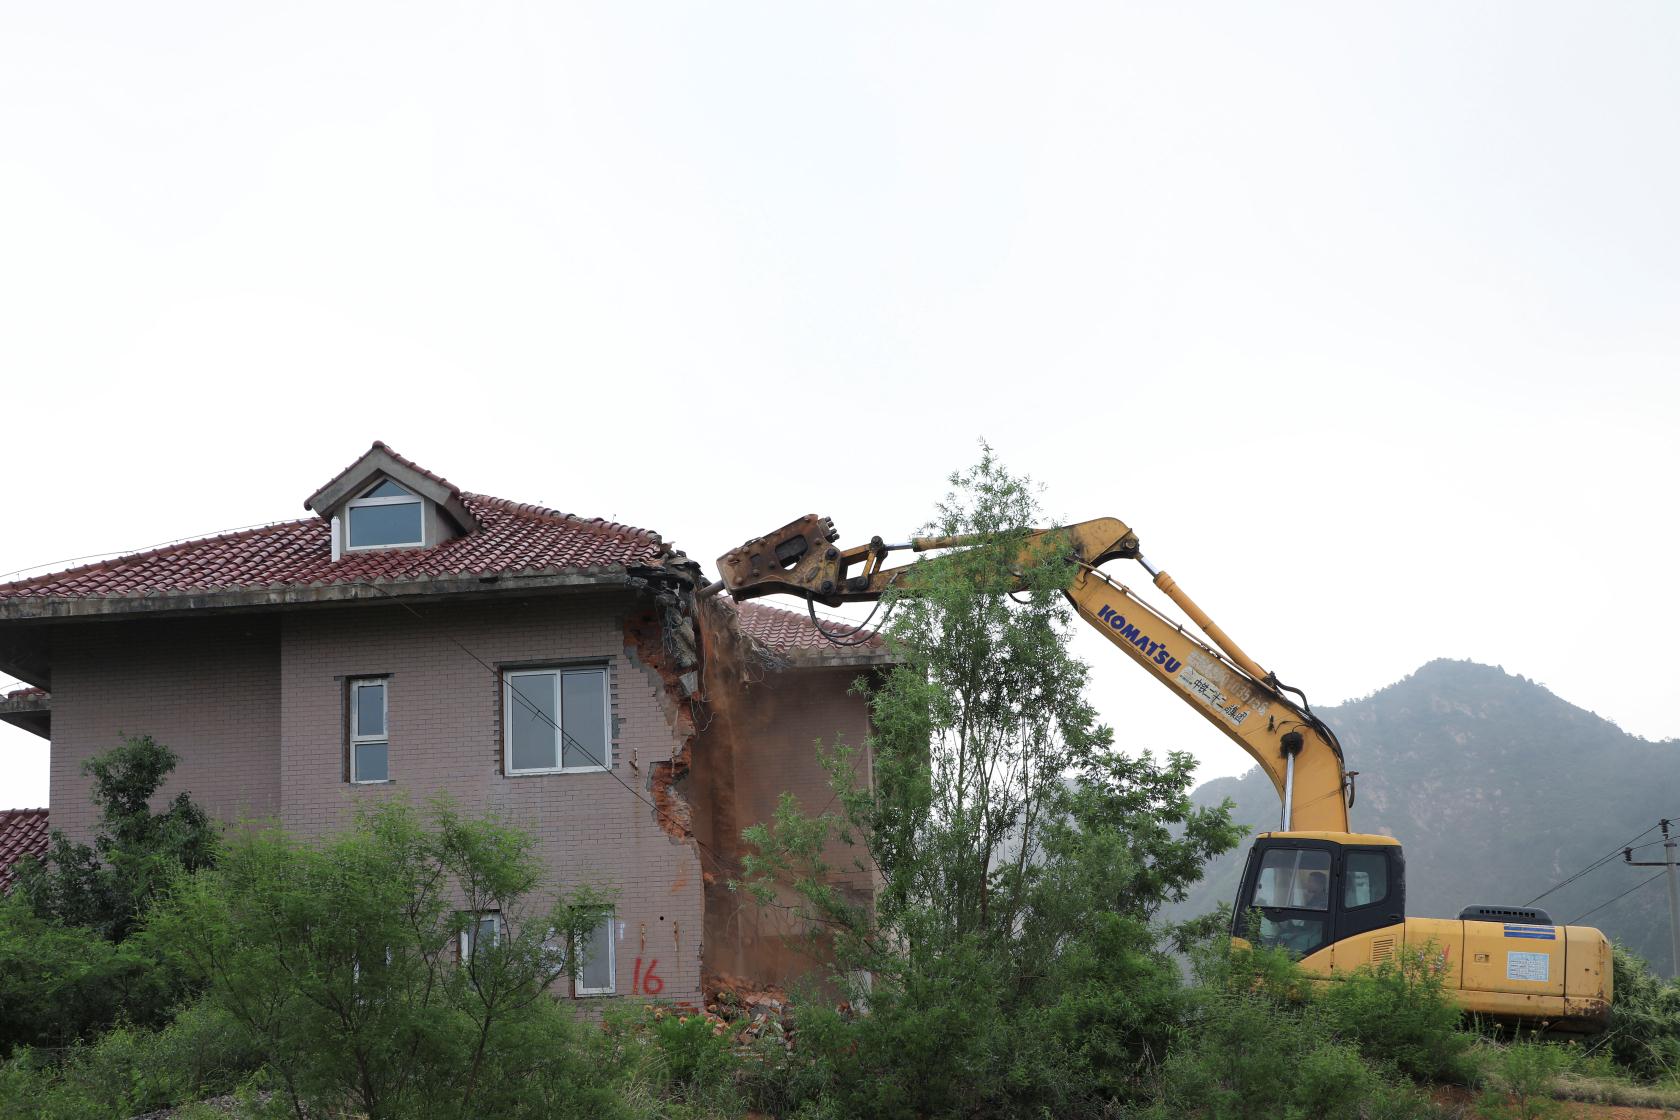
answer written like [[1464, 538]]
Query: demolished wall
[[747, 719]]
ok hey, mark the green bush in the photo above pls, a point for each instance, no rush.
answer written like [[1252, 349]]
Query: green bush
[[1643, 1035], [1248, 1056], [695, 1057], [337, 960], [129, 1070], [60, 984], [1399, 1012], [1524, 1075]]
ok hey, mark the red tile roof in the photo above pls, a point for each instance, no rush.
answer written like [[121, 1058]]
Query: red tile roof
[[515, 539], [23, 832], [792, 632]]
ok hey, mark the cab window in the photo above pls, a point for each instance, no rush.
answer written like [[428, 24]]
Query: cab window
[[1294, 878], [1366, 879]]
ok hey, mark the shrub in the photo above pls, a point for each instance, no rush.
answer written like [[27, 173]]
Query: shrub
[[337, 959], [1524, 1075], [1248, 1057], [1644, 1031], [60, 984], [128, 1070], [1399, 1012]]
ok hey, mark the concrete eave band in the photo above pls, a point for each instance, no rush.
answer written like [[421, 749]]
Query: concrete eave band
[[31, 713], [47, 608]]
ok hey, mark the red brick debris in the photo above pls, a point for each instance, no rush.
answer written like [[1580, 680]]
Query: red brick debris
[[23, 832]]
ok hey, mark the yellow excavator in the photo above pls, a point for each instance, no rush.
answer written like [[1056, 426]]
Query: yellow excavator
[[1335, 898]]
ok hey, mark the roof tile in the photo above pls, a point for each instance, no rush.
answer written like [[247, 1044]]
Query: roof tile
[[516, 537], [790, 631], [23, 832]]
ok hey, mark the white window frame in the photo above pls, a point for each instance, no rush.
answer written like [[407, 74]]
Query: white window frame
[[358, 739], [409, 498], [510, 702], [475, 918], [578, 989]]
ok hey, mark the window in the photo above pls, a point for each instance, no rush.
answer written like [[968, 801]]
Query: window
[[385, 516], [1367, 879], [1297, 878], [555, 720], [482, 931], [596, 972], [370, 745]]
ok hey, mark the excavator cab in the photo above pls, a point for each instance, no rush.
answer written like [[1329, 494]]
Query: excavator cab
[[1307, 891]]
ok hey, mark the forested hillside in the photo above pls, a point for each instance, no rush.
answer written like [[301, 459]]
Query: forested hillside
[[1499, 790]]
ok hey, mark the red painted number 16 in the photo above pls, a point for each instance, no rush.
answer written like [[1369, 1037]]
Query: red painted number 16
[[648, 982]]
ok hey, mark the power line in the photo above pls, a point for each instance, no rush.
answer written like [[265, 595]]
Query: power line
[[1624, 894], [1594, 866], [720, 861], [121, 552]]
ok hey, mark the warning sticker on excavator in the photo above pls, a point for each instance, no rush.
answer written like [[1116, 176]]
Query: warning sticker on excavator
[[1528, 966]]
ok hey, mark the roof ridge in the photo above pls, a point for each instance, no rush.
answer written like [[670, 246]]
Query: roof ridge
[[531, 509], [159, 550]]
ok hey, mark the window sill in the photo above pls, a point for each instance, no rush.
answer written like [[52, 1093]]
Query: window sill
[[563, 770], [376, 782]]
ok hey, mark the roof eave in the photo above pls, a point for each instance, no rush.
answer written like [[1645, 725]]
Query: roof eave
[[836, 659], [44, 608], [31, 713]]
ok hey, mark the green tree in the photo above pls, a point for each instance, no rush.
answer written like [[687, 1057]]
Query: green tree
[[71, 962], [1010, 953], [106, 886], [402, 966]]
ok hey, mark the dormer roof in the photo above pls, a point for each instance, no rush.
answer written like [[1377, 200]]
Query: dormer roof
[[381, 461]]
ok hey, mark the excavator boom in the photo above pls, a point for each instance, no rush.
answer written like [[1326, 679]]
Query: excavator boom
[[1334, 898], [1216, 678]]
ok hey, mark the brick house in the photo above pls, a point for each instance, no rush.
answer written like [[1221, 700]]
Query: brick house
[[411, 639]]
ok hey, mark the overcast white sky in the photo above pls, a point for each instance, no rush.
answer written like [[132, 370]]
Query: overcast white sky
[[1365, 317]]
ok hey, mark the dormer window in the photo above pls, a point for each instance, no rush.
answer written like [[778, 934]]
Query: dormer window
[[385, 516], [384, 501]]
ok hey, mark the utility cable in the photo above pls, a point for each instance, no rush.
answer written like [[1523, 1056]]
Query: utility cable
[[1624, 894], [717, 857], [120, 553], [1594, 866]]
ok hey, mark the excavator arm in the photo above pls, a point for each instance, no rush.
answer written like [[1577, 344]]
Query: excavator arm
[[1221, 682]]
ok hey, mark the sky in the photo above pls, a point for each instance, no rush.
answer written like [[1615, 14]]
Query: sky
[[1365, 317]]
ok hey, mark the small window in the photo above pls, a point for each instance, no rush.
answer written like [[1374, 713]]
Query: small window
[[1367, 879], [482, 931], [555, 720], [597, 970], [385, 516], [370, 741]]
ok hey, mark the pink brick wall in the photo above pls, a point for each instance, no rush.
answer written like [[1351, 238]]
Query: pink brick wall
[[208, 688], [255, 707], [446, 740]]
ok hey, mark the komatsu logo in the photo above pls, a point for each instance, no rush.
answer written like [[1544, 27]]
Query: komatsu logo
[[1154, 650]]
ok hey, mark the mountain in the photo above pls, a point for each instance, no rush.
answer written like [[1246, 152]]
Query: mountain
[[1498, 789]]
